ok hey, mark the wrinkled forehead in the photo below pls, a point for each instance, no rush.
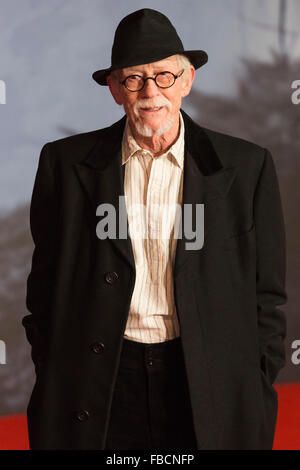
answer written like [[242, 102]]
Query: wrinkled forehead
[[169, 64]]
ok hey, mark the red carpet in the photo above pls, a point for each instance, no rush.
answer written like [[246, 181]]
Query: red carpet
[[13, 433], [13, 429], [287, 436]]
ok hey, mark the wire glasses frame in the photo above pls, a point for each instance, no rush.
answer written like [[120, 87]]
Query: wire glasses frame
[[160, 78]]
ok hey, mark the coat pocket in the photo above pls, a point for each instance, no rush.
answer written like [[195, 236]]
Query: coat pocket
[[241, 251], [235, 238]]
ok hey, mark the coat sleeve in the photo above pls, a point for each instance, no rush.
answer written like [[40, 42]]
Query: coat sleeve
[[43, 226], [271, 265]]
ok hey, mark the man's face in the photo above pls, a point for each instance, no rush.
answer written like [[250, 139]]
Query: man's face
[[139, 106]]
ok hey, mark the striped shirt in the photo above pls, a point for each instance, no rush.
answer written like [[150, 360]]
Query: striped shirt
[[152, 188]]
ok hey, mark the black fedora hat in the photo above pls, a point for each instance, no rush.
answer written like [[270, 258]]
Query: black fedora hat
[[143, 37]]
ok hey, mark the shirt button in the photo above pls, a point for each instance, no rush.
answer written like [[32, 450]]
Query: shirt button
[[97, 347], [111, 277], [82, 415]]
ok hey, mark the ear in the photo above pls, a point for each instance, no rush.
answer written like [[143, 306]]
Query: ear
[[188, 81], [114, 88]]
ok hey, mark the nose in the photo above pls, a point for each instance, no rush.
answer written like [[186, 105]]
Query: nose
[[150, 89]]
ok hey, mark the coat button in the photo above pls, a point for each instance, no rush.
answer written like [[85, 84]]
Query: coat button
[[82, 415], [97, 347], [111, 277]]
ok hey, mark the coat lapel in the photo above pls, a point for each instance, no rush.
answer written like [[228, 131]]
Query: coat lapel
[[205, 181], [101, 175]]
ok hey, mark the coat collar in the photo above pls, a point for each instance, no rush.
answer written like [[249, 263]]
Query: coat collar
[[197, 143], [101, 174]]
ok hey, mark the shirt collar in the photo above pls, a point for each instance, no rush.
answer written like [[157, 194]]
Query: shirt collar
[[130, 147]]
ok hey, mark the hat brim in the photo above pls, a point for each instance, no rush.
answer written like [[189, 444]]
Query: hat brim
[[197, 58]]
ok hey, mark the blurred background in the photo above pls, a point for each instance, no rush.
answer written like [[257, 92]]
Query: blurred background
[[48, 52]]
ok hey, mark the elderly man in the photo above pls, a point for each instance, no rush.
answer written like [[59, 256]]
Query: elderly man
[[151, 342]]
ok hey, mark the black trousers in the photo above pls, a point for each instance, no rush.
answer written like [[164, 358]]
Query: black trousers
[[151, 406]]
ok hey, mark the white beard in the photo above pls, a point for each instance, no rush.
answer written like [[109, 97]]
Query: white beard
[[146, 131]]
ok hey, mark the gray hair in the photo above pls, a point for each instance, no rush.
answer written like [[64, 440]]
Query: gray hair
[[183, 63]]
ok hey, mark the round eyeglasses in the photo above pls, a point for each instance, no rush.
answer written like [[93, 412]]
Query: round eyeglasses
[[162, 80]]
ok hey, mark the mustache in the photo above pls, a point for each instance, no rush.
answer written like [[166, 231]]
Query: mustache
[[152, 103]]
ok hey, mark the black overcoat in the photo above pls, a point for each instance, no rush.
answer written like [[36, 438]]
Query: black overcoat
[[226, 293]]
